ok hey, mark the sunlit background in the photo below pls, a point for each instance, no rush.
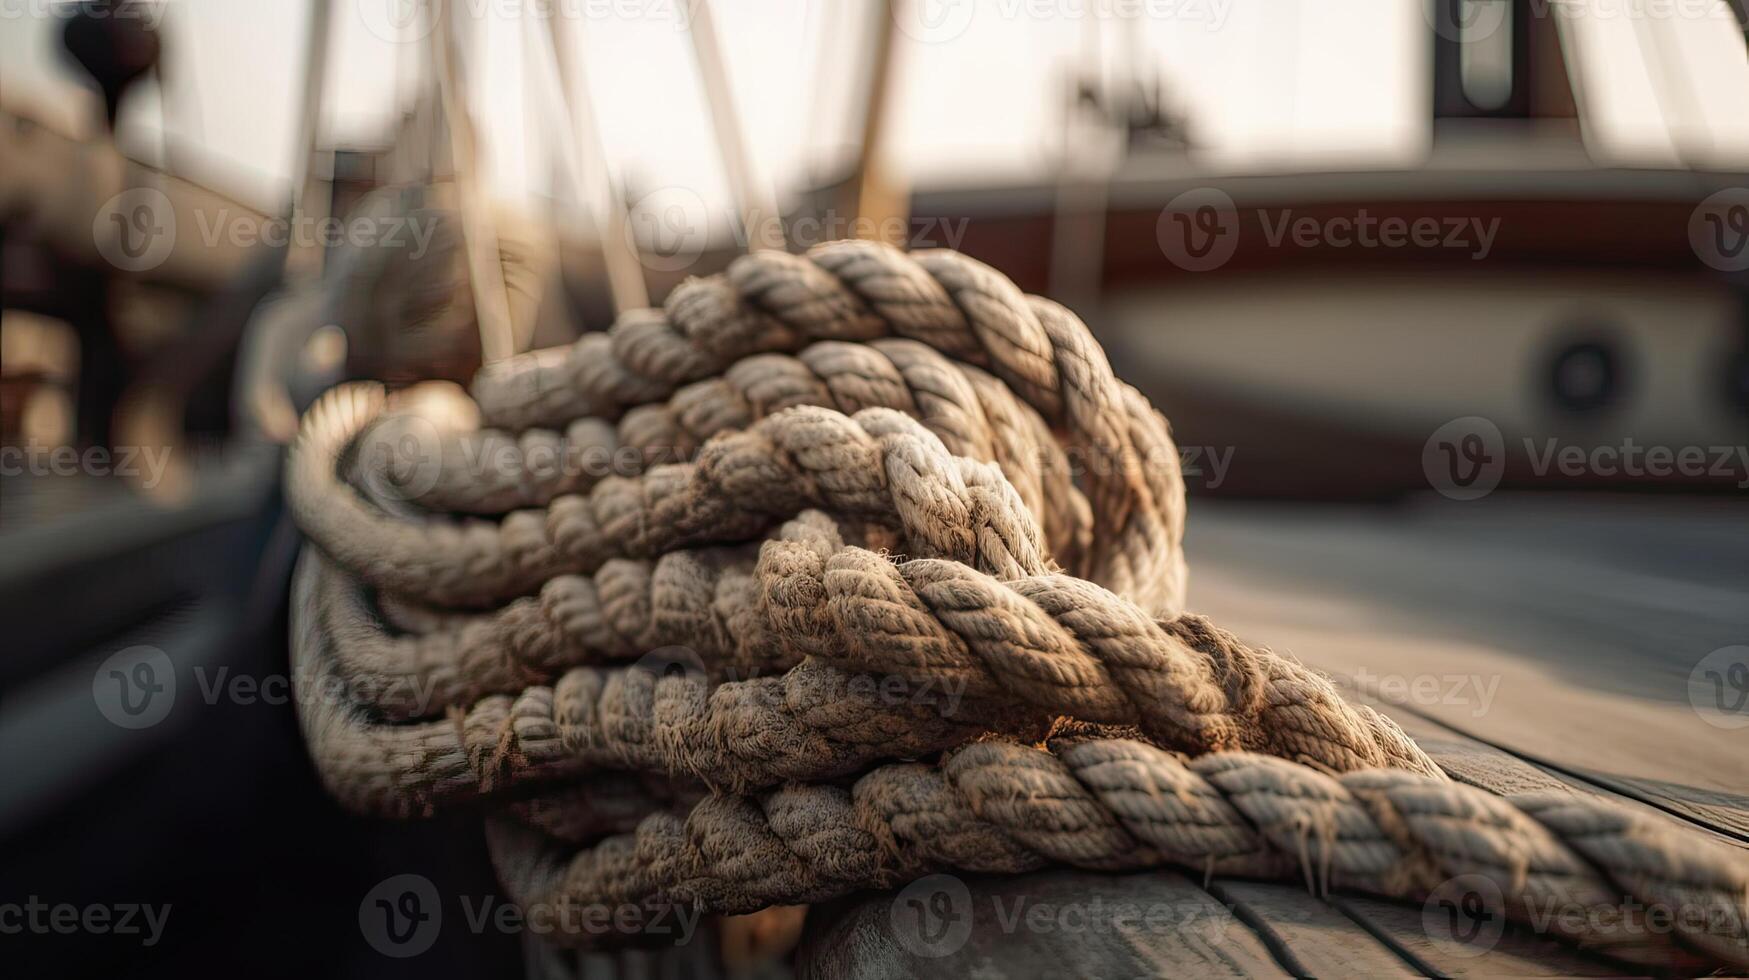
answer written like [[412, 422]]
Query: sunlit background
[[1264, 85], [1208, 184]]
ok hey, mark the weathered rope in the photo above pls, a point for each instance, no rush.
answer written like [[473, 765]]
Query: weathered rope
[[491, 471], [878, 550], [1052, 643], [773, 302], [811, 722], [814, 721], [1111, 804]]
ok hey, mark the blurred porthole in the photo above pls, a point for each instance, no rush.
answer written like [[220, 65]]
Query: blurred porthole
[[1586, 376]]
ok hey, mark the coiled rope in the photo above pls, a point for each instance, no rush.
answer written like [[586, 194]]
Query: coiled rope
[[939, 525]]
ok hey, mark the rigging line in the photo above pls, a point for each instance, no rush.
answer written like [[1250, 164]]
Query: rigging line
[[584, 155], [754, 197], [882, 193], [498, 338], [825, 109], [306, 202], [1678, 104], [188, 113]]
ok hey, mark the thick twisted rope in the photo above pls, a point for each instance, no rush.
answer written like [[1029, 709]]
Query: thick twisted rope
[[921, 609], [1044, 642], [773, 301], [1047, 642], [814, 721], [1111, 804], [491, 471]]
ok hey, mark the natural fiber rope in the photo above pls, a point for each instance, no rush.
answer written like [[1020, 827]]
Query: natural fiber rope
[[1049, 642], [813, 656], [772, 301], [1116, 804], [492, 471], [1205, 692]]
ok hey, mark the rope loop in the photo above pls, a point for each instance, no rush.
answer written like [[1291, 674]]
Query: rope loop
[[845, 568]]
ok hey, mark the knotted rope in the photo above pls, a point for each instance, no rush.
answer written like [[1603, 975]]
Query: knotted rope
[[772, 301], [1118, 804], [876, 550]]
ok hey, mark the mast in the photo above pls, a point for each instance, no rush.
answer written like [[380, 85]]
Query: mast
[[498, 334], [592, 182], [755, 201]]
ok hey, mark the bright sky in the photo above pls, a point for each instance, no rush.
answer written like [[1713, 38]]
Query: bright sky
[[1267, 84]]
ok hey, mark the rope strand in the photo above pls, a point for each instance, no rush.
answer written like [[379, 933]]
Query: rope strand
[[914, 519]]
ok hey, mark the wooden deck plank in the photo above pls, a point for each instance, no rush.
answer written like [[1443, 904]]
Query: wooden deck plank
[[1499, 771], [1561, 630], [1502, 951], [1580, 625], [1051, 923], [1320, 940]]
